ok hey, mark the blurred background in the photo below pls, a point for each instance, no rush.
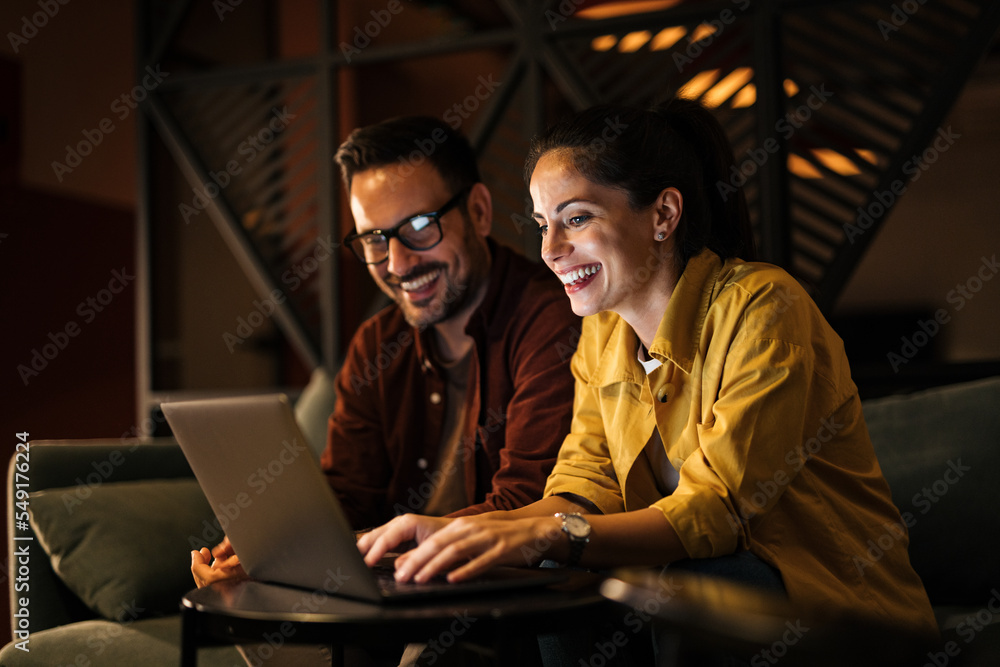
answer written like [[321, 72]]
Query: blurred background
[[170, 214]]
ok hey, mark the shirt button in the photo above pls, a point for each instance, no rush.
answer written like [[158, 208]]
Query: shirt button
[[661, 395], [422, 464], [435, 397]]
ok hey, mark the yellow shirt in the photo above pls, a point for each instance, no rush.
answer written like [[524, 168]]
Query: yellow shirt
[[757, 411]]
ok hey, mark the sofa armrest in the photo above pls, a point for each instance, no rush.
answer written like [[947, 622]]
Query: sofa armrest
[[86, 464], [939, 449]]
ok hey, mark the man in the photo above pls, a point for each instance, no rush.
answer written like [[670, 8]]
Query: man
[[455, 399]]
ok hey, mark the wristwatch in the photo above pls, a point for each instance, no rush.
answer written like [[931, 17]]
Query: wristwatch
[[577, 529]]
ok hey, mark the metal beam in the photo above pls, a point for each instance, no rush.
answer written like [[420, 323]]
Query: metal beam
[[945, 92], [327, 198], [230, 229], [775, 220]]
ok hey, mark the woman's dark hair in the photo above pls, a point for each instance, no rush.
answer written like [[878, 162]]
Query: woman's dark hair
[[643, 151], [409, 141]]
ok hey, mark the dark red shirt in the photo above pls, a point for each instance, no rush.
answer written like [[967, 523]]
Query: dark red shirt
[[386, 428]]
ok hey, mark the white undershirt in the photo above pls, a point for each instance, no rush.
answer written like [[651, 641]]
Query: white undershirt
[[656, 453]]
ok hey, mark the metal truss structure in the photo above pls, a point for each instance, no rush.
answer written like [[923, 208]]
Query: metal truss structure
[[830, 106]]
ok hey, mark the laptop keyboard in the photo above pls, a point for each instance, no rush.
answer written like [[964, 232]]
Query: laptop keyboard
[[387, 584]]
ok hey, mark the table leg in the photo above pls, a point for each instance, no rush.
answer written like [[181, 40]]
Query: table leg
[[189, 637]]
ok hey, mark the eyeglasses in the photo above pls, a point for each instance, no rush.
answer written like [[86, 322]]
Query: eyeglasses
[[421, 232]]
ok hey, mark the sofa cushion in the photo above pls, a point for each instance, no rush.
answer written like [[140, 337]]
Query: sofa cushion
[[940, 452], [123, 548], [314, 407], [153, 642]]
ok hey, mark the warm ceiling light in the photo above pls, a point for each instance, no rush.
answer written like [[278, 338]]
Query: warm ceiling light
[[801, 167], [745, 98], [604, 43], [667, 38], [867, 155], [723, 90], [634, 41], [607, 10], [748, 94], [702, 31], [697, 86], [836, 162]]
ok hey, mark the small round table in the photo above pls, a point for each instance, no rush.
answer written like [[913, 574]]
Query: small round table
[[505, 623]]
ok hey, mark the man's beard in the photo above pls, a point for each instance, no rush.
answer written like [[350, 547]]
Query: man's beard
[[457, 293]]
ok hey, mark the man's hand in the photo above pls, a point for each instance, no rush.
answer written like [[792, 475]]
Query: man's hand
[[377, 542], [219, 564]]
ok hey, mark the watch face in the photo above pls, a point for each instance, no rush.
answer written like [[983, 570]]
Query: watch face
[[577, 526]]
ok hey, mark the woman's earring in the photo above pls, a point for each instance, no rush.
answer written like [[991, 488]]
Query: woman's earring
[[661, 236]]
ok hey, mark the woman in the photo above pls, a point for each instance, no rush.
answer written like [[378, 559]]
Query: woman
[[715, 421]]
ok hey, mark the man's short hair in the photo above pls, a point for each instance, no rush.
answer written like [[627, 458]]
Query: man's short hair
[[409, 141]]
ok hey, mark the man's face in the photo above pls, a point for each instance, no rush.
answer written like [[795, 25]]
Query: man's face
[[430, 286]]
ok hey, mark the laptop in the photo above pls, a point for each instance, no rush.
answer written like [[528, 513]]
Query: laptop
[[285, 523]]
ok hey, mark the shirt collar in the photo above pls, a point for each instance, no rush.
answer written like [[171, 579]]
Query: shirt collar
[[679, 332]]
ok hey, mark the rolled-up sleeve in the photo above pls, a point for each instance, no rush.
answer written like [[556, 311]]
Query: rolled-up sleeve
[[585, 466]]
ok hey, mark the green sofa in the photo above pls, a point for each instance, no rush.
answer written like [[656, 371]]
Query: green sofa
[[115, 602], [106, 553]]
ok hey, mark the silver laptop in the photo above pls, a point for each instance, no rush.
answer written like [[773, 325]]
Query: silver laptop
[[283, 520]]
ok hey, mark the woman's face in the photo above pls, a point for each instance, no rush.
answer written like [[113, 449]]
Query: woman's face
[[603, 251]]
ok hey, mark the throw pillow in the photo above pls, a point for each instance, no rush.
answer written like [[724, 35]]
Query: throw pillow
[[124, 549]]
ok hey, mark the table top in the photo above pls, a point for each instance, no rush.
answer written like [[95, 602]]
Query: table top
[[259, 601]]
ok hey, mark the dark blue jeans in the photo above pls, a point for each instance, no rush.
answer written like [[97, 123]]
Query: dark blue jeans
[[629, 639]]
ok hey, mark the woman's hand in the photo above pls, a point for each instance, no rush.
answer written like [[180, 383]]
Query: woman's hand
[[468, 546], [219, 564]]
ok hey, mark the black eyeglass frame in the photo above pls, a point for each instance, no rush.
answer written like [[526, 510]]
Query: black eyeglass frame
[[394, 231]]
